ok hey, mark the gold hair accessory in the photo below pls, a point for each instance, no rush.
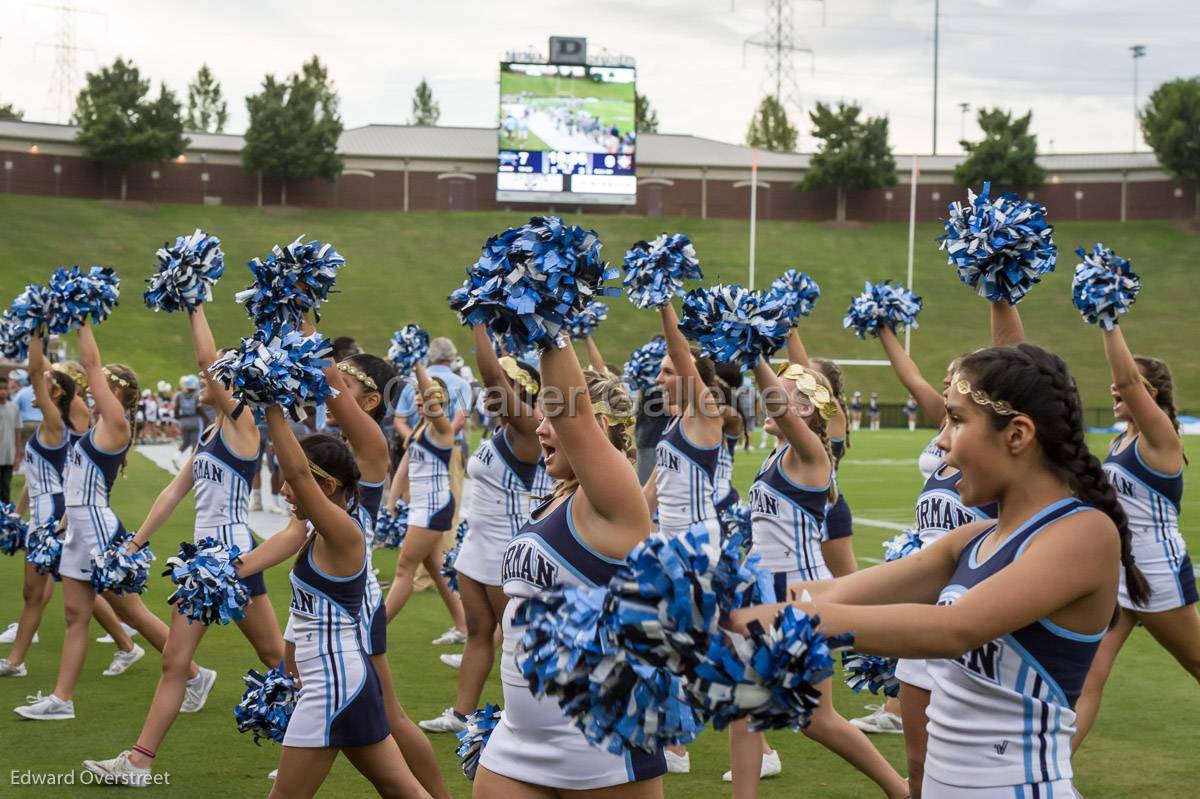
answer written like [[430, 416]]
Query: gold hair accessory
[[116, 378], [602, 408], [319, 472], [806, 382], [520, 376], [358, 374], [1000, 407], [78, 376]]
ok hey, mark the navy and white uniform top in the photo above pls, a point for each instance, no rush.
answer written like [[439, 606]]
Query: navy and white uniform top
[[366, 507], [431, 504], [221, 481], [685, 477], [930, 458], [1003, 713], [940, 508], [324, 612], [91, 472], [724, 494], [788, 519], [44, 466], [501, 488]]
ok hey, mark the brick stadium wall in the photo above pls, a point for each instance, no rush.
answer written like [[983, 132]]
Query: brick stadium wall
[[183, 183]]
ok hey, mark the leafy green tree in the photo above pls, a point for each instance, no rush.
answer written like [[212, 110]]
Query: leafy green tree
[[853, 153], [425, 109], [119, 124], [294, 128], [206, 105], [1006, 155], [645, 117], [1171, 125], [7, 111], [770, 128]]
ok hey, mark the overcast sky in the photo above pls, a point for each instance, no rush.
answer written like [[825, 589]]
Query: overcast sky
[[1067, 60]]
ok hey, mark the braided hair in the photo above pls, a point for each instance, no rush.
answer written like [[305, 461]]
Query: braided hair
[[66, 395], [380, 372], [1156, 371], [837, 386], [334, 456], [1038, 384]]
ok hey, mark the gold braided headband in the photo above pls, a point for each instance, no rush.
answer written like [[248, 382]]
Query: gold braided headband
[[808, 385], [319, 472], [120, 381], [602, 408], [78, 376], [358, 374], [520, 376], [1000, 407]]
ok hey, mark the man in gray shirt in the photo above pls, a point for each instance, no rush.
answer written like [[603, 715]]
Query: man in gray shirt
[[10, 426]]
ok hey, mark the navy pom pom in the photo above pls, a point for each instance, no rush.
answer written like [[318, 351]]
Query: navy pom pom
[[1104, 286], [875, 674], [735, 325], [655, 271], [474, 738], [901, 546], [448, 571], [586, 321], [117, 570], [43, 547], [81, 295], [532, 281], [187, 271], [267, 705], [644, 364], [882, 305], [12, 529], [391, 526], [735, 519], [277, 366], [208, 586], [292, 281], [797, 291], [14, 339], [1001, 247], [410, 346]]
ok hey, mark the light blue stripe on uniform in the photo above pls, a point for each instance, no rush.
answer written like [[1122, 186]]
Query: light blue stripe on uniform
[[1027, 733]]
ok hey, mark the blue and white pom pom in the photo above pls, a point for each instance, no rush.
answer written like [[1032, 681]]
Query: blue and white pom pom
[[117, 570], [12, 529], [655, 271], [410, 346], [735, 519], [532, 281], [208, 586], [882, 305], [798, 292], [43, 547], [187, 272], [267, 705], [277, 366], [290, 282], [586, 321], [448, 571], [474, 738], [1104, 286], [14, 339], [735, 325], [36, 307], [644, 364], [869, 672], [901, 546], [82, 295], [391, 526], [1001, 247]]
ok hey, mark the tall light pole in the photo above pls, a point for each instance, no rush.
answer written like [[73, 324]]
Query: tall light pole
[[1138, 51], [936, 10]]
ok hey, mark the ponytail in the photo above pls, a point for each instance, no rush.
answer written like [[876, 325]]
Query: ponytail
[[1158, 375]]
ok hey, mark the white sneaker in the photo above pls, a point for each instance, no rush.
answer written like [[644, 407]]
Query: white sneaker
[[108, 639], [272, 774], [256, 502], [197, 691], [879, 722], [453, 661], [449, 721], [123, 660], [450, 637], [771, 766], [119, 771], [9, 670], [9, 636], [677, 764], [46, 708]]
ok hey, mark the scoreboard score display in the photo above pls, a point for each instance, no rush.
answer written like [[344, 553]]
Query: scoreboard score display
[[566, 134]]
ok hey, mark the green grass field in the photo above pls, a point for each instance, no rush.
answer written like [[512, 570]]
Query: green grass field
[[1144, 743], [513, 83], [530, 142], [402, 266]]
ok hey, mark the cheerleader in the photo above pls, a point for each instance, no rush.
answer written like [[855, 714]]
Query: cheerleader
[[1145, 465], [1009, 612], [787, 508], [93, 462], [219, 475], [873, 411], [725, 495], [579, 537], [856, 411], [505, 471], [424, 480]]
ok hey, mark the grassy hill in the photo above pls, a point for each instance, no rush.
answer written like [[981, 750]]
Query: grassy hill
[[402, 266]]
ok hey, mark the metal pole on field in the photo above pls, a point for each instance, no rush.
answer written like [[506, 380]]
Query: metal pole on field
[[912, 237], [753, 211]]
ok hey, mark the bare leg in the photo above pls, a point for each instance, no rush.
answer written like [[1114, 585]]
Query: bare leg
[[839, 556], [78, 598], [913, 702], [36, 592], [133, 611], [480, 650], [301, 772], [111, 622], [419, 544], [839, 736], [433, 565], [182, 643], [1087, 707], [261, 629], [1178, 631], [414, 746], [745, 759], [382, 764]]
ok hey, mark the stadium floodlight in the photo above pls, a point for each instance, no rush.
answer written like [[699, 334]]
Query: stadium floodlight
[[1138, 51]]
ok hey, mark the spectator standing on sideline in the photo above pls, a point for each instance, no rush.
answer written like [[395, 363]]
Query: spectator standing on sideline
[[652, 418], [873, 410], [746, 400], [910, 411], [404, 418], [31, 415], [10, 429], [188, 414]]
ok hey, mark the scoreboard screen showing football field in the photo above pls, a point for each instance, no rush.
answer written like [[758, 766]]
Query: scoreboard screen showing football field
[[566, 134]]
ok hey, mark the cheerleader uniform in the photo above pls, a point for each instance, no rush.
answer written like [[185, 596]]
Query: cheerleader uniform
[[501, 488], [534, 742], [930, 458], [724, 494], [787, 519], [685, 477], [431, 505], [1001, 716], [372, 616], [1151, 501], [839, 521], [221, 482], [91, 523], [44, 467], [340, 702]]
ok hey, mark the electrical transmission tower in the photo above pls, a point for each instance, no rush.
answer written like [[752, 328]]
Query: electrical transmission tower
[[60, 100], [778, 43]]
